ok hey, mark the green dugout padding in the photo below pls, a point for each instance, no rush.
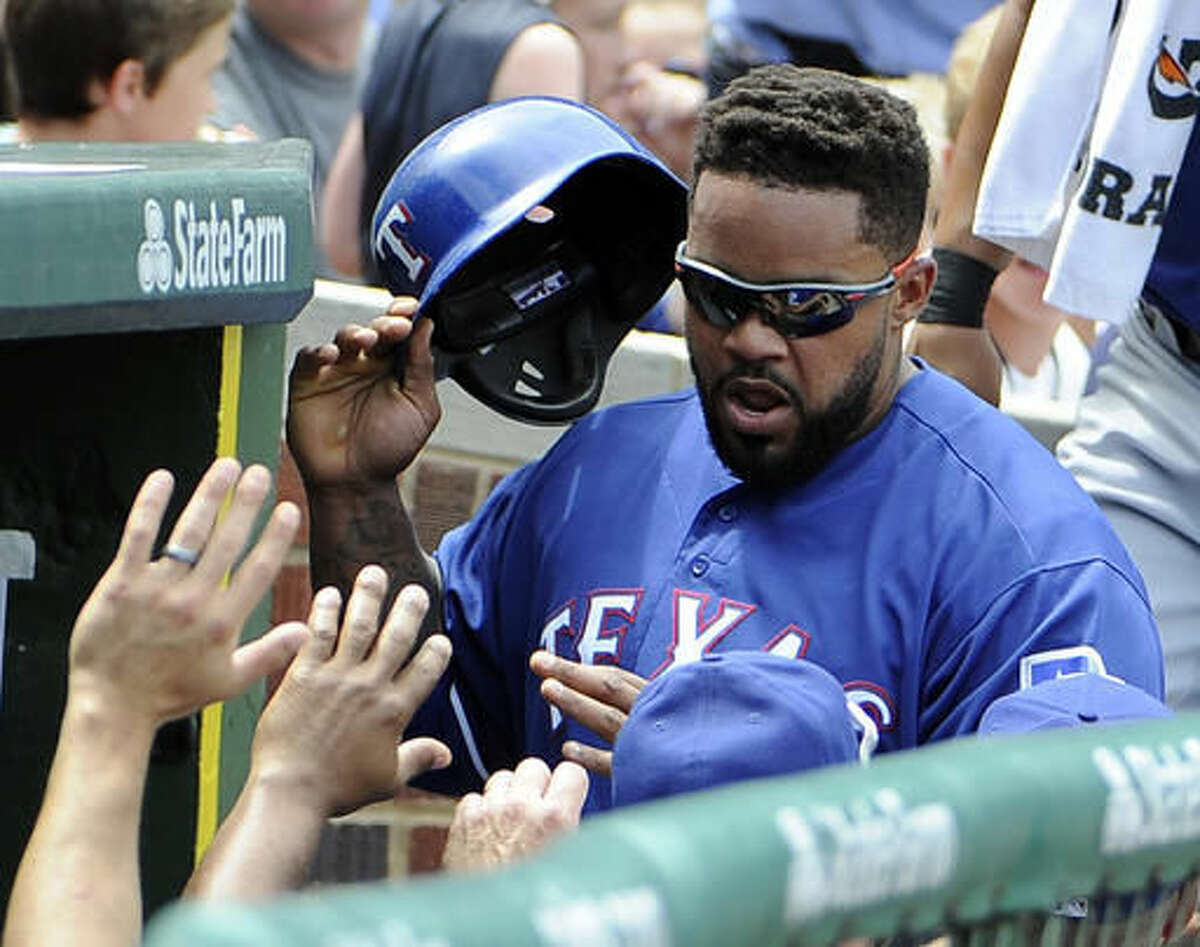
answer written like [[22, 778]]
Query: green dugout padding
[[125, 347], [125, 238], [965, 831]]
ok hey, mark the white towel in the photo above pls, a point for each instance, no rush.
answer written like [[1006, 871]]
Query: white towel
[[1088, 146]]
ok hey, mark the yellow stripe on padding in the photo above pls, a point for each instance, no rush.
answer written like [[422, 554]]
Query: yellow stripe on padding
[[209, 796]]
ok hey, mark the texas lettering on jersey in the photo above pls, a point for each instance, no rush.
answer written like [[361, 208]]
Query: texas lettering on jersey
[[594, 631]]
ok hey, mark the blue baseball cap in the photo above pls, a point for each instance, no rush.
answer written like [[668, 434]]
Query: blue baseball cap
[[1070, 701], [730, 717]]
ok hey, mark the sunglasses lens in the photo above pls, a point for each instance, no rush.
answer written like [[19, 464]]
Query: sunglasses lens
[[718, 303], [798, 313]]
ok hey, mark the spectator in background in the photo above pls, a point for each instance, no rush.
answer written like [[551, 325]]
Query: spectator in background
[[667, 33], [859, 37], [438, 59], [295, 70], [1044, 350], [1134, 447], [659, 91], [116, 70]]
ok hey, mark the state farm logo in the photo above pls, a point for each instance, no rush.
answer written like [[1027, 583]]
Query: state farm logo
[[213, 247], [154, 255], [1173, 93]]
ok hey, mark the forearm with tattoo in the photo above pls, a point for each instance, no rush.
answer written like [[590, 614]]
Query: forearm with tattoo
[[353, 527]]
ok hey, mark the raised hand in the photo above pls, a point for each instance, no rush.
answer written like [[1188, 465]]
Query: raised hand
[[158, 637], [350, 422], [332, 731], [517, 814], [597, 696]]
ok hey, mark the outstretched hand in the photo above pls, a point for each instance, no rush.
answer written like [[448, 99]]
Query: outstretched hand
[[332, 732], [350, 422], [158, 638], [597, 696], [518, 813]]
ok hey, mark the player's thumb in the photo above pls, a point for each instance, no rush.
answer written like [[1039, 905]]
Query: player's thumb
[[420, 755], [268, 656]]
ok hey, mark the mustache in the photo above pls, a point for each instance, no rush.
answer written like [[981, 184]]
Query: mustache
[[759, 372]]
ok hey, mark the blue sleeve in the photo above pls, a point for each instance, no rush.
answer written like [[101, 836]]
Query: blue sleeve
[[1085, 615], [477, 709]]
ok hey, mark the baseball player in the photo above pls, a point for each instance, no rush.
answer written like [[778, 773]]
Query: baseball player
[[816, 495]]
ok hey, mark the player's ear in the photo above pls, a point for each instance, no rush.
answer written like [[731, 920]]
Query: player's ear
[[125, 89], [914, 283]]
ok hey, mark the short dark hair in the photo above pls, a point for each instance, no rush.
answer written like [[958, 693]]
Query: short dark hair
[[58, 47], [791, 128]]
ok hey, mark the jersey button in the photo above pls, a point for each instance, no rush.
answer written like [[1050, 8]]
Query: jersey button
[[699, 566], [728, 513]]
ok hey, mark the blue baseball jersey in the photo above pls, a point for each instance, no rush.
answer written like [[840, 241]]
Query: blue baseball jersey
[[933, 566]]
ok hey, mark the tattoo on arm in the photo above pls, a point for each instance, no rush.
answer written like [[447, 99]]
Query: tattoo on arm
[[374, 529]]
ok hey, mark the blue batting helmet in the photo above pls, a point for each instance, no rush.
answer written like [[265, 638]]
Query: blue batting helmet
[[535, 233]]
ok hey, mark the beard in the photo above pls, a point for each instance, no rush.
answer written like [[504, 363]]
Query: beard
[[763, 464]]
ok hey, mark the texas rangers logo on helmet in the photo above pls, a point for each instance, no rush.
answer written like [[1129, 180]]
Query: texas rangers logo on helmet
[[391, 242]]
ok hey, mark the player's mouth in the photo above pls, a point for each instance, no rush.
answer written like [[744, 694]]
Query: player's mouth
[[757, 407]]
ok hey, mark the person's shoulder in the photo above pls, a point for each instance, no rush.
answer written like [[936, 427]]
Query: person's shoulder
[[1000, 475], [967, 428]]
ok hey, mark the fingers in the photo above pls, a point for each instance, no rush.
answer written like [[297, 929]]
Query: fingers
[[518, 813], [261, 567], [267, 655], [405, 306], [568, 787], [361, 622], [601, 718], [310, 359], [225, 543], [530, 778], [589, 757], [401, 628], [420, 755], [195, 523], [610, 685], [145, 517], [323, 617], [498, 783], [420, 677], [353, 340]]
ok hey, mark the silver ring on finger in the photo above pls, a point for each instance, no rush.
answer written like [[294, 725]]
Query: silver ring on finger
[[189, 557]]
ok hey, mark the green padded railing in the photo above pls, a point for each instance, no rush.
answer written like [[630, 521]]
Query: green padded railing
[[960, 835]]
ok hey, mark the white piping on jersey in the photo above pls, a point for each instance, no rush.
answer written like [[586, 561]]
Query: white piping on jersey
[[468, 737]]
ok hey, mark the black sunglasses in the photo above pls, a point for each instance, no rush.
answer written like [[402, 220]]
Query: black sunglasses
[[794, 310]]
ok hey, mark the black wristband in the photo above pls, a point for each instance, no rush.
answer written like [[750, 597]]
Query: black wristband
[[961, 292]]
